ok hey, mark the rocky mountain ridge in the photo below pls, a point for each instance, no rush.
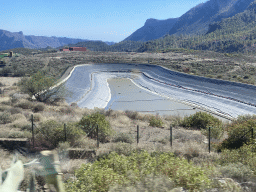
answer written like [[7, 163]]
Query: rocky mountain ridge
[[10, 40], [196, 21], [152, 29]]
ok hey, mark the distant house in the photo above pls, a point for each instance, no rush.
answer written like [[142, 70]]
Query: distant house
[[74, 49]]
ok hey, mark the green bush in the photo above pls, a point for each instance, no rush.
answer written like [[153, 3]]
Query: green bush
[[244, 155], [236, 132], [116, 169], [201, 120], [155, 122], [123, 148], [5, 118], [123, 137], [51, 133], [237, 171], [89, 123], [38, 107], [151, 182], [19, 134], [216, 132]]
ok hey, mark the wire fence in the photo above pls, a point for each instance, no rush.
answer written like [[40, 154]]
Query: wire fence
[[39, 134]]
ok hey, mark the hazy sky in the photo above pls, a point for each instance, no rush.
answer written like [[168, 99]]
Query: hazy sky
[[111, 20]]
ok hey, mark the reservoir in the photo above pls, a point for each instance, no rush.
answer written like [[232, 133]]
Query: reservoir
[[125, 95], [155, 89]]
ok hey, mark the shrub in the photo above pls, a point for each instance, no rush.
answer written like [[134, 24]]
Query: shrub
[[236, 131], [155, 122], [216, 132], [62, 146], [123, 137], [151, 182], [19, 134], [116, 169], [51, 133], [238, 171], [123, 148], [37, 117], [27, 127], [242, 119], [38, 107], [15, 110], [132, 114], [66, 110], [89, 123], [5, 103], [201, 120], [25, 105], [244, 155], [5, 118], [74, 105]]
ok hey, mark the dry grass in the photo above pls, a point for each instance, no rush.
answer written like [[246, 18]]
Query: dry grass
[[186, 143], [9, 81]]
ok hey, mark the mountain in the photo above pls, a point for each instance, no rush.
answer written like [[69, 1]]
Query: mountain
[[197, 19], [91, 45], [236, 34], [240, 23], [152, 29], [194, 22], [10, 40]]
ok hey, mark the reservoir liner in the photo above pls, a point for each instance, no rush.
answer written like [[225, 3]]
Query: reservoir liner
[[144, 74]]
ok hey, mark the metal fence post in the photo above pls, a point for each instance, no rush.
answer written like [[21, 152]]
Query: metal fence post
[[252, 133], [98, 143], [65, 131], [138, 134], [33, 137], [171, 135], [209, 139]]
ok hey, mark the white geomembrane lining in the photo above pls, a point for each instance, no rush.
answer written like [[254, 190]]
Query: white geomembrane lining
[[90, 87]]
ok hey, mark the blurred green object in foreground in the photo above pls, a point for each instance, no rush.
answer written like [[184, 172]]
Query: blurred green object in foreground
[[51, 171]]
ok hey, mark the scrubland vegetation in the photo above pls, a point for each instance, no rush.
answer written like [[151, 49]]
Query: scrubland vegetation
[[120, 163], [235, 67]]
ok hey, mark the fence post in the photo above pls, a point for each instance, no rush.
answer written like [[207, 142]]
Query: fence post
[[98, 143], [33, 137], [252, 133], [138, 134], [171, 135], [65, 131], [209, 139]]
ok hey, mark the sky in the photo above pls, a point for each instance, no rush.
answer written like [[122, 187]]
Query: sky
[[111, 20]]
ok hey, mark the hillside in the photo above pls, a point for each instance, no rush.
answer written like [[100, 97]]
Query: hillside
[[9, 40], [194, 22], [197, 19], [152, 29]]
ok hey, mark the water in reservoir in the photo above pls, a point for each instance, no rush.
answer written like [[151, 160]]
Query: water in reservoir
[[125, 95]]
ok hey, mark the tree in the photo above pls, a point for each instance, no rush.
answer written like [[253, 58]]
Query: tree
[[42, 88]]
